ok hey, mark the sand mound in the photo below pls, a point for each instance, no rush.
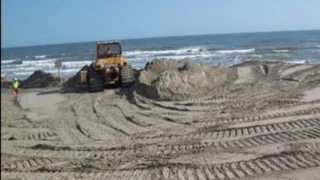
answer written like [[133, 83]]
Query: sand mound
[[176, 80], [74, 81], [39, 79], [6, 84]]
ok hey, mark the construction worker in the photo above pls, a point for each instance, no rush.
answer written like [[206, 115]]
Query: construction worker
[[109, 52], [15, 86]]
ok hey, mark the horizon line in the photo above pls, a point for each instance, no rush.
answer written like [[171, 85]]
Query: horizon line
[[121, 39]]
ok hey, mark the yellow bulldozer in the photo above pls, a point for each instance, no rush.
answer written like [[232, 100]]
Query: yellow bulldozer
[[110, 67]]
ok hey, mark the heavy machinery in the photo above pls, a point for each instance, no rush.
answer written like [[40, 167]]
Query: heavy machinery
[[110, 67]]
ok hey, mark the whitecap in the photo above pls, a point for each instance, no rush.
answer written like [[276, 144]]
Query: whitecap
[[8, 61], [297, 62], [37, 62], [40, 56], [281, 50], [159, 52], [235, 51]]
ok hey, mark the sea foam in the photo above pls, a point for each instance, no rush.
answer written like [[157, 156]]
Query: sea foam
[[8, 61], [40, 56], [281, 51], [297, 61], [235, 51], [154, 52]]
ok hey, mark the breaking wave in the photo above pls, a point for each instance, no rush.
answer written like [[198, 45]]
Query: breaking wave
[[297, 62], [281, 50], [53, 71], [235, 51], [185, 51], [177, 52], [8, 61], [38, 62], [27, 67], [41, 56]]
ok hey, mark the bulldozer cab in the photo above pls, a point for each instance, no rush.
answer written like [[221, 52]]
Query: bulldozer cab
[[109, 53], [109, 49]]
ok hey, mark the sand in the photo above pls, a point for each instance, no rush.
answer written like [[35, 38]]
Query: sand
[[178, 121]]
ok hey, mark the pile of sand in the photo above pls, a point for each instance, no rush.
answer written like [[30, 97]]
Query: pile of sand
[[75, 80], [176, 80], [39, 79], [5, 83]]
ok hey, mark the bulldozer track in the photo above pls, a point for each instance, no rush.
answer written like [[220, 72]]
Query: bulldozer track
[[283, 162], [72, 154], [312, 77], [261, 103], [268, 164], [273, 72], [213, 99], [281, 99], [127, 175], [264, 164], [218, 102], [283, 103], [259, 72], [224, 99], [290, 66], [26, 164], [174, 149], [244, 131], [267, 139], [41, 136], [298, 73], [140, 103], [209, 122]]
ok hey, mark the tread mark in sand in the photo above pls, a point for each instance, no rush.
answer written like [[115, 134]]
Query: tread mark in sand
[[40, 136], [242, 131], [279, 137], [282, 162], [178, 148], [25, 164], [210, 122], [266, 164]]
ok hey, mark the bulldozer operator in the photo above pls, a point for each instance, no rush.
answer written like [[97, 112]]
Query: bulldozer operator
[[109, 53]]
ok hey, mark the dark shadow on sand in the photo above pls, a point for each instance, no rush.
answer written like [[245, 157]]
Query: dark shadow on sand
[[49, 92], [84, 89]]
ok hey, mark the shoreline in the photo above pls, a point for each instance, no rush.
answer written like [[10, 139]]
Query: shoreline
[[189, 60]]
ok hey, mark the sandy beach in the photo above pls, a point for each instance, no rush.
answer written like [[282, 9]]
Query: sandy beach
[[180, 120]]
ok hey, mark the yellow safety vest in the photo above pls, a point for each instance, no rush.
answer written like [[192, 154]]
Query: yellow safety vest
[[15, 85]]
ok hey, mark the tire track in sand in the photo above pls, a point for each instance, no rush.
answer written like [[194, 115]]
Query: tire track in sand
[[32, 136], [26, 164], [283, 162], [122, 154], [211, 122], [241, 131]]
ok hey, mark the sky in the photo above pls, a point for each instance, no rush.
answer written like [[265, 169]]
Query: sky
[[38, 22]]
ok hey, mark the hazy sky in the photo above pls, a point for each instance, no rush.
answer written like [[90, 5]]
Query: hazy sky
[[33, 22]]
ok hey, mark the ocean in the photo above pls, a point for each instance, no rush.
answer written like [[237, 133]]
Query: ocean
[[223, 49]]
